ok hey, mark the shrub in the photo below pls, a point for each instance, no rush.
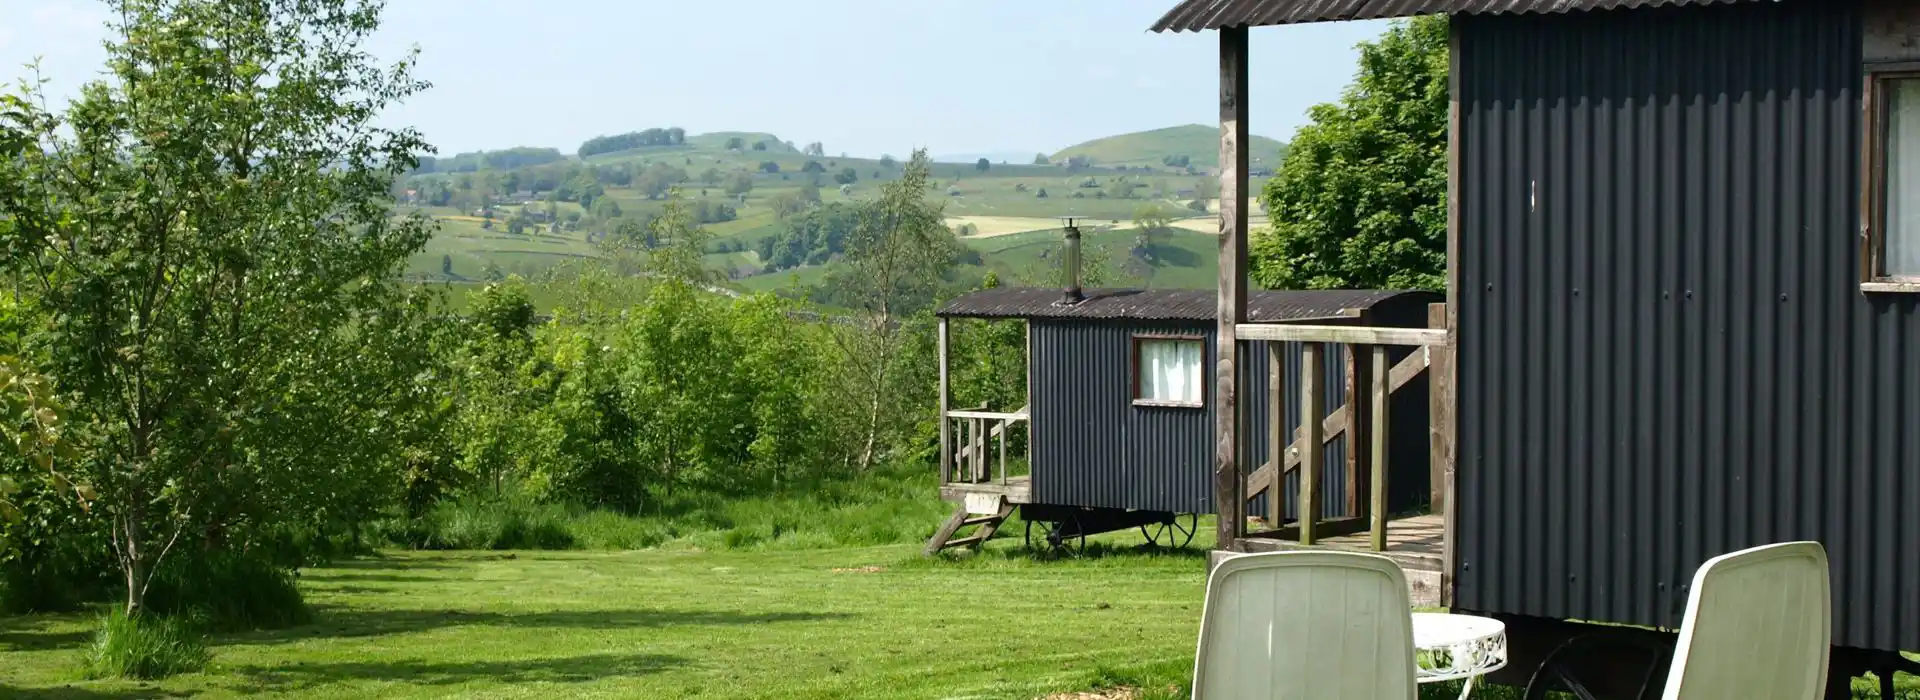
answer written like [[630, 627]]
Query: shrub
[[229, 592], [483, 523], [145, 647]]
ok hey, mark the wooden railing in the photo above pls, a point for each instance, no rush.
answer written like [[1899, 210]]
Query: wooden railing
[[1363, 421], [978, 451]]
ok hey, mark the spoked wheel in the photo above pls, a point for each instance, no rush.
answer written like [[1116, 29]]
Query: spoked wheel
[[1062, 537], [1174, 532], [1601, 666]]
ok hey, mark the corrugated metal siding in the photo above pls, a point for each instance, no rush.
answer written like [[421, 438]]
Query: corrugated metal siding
[[1093, 447], [1196, 15], [1663, 351]]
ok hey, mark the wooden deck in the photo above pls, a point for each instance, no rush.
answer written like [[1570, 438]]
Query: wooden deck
[[1416, 543], [1017, 490]]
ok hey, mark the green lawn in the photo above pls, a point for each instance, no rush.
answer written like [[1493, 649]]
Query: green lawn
[[845, 623]]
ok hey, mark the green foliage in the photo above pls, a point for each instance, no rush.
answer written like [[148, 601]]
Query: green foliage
[[846, 176], [227, 592], [982, 165], [739, 182], [221, 286], [673, 136], [145, 647], [1360, 202]]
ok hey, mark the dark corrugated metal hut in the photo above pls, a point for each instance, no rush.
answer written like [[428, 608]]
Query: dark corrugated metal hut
[[1095, 446], [1677, 329]]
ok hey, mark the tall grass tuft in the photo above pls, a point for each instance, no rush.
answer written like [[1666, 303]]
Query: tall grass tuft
[[146, 647], [229, 592]]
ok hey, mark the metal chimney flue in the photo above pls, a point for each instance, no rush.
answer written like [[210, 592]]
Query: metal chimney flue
[[1070, 263]]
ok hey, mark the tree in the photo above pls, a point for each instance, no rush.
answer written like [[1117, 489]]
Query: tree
[[770, 167], [786, 204], [446, 265], [681, 244], [1041, 159], [759, 145], [813, 166], [710, 177], [816, 149], [982, 165], [1154, 224], [1360, 202], [739, 182], [895, 258], [887, 162], [510, 183], [1041, 194], [736, 143], [846, 176], [809, 193], [224, 279]]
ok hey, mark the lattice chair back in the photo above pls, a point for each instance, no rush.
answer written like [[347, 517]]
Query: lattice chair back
[[1305, 626]]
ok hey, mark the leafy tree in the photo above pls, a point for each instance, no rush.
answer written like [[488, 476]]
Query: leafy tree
[[510, 183], [846, 176], [813, 166], [682, 243], [1360, 201], [1041, 159], [786, 204], [1207, 188], [895, 260], [446, 265], [982, 165], [1041, 194], [759, 145], [1176, 161], [739, 182], [816, 149], [770, 167], [605, 209], [736, 143], [710, 177], [887, 162], [517, 225], [223, 281], [1199, 205], [809, 193]]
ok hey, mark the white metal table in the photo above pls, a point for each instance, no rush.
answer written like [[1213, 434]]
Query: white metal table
[[1451, 647]]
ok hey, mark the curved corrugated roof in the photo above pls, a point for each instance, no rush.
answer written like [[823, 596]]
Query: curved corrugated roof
[[1196, 15], [1168, 304]]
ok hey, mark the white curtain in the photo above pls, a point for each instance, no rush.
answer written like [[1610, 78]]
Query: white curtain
[[1170, 370], [1903, 178]]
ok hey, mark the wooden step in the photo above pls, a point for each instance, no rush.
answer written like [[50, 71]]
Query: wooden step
[[967, 541], [983, 519]]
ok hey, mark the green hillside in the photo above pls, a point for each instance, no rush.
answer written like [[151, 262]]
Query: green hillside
[[1198, 142], [718, 140]]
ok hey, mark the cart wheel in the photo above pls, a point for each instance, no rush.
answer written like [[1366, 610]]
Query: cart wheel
[[1073, 542], [1171, 533], [1036, 544], [1588, 667]]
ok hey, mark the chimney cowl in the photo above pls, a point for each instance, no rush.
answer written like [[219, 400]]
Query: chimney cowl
[[1071, 262]]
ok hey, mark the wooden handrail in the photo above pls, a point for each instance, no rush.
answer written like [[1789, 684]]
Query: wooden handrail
[[990, 415], [1352, 335], [1334, 426]]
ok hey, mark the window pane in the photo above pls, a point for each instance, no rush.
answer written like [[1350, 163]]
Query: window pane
[[1170, 370], [1903, 178]]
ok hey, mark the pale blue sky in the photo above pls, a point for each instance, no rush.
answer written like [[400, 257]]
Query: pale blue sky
[[862, 76]]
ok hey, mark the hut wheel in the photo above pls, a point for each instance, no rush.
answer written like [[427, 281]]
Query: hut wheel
[[1057, 537], [1602, 666], [1172, 533]]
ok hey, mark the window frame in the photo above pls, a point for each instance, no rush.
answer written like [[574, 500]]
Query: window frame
[[1874, 195], [1134, 364]]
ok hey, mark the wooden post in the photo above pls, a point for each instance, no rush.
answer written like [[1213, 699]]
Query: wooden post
[[1313, 436], [1230, 308], [1438, 407], [1277, 434], [1359, 400], [1443, 422], [946, 426], [1006, 431], [1377, 432]]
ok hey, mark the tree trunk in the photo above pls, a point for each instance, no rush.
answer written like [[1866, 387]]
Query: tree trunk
[[135, 563]]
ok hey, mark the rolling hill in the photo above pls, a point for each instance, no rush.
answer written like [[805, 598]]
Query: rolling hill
[[1198, 142]]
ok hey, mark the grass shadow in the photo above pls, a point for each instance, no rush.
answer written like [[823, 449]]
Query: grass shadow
[[24, 635], [574, 669], [77, 693], [349, 623]]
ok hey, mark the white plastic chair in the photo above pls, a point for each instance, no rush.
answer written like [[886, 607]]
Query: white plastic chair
[[1759, 625], [1305, 626]]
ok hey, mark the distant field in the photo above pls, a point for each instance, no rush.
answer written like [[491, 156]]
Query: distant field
[[1199, 143]]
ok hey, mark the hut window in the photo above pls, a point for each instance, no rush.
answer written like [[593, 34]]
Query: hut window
[[1893, 219], [1167, 372]]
